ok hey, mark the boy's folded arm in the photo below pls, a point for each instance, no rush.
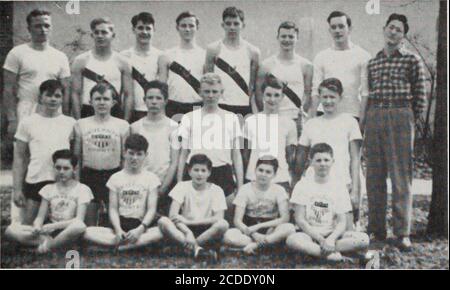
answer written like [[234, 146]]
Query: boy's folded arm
[[114, 211], [284, 216], [42, 213], [151, 207], [238, 218], [340, 227]]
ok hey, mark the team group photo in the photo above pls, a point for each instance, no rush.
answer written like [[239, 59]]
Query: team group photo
[[224, 134]]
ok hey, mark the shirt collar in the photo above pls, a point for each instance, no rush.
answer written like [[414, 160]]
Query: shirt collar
[[350, 45], [398, 52]]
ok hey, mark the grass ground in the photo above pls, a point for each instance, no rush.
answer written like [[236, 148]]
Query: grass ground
[[426, 253]]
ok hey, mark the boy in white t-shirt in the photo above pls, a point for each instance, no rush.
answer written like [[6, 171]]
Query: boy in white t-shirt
[[98, 145], [64, 203], [341, 131], [202, 204], [261, 215], [133, 198], [38, 136], [161, 134], [271, 133], [321, 204]]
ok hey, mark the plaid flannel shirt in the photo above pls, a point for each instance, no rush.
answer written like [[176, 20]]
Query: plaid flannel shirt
[[397, 79]]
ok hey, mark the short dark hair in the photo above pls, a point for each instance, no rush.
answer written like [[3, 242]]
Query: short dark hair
[[288, 25], [50, 86], [101, 87], [187, 14], [333, 84], [65, 154], [339, 14], [271, 81], [156, 84], [320, 148], [35, 13], [400, 17], [145, 17], [200, 159], [233, 12], [101, 20], [136, 142], [269, 160]]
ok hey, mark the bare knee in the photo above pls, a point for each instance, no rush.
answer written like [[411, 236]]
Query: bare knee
[[221, 225], [164, 222], [362, 240], [287, 228], [296, 240], [78, 226], [231, 236]]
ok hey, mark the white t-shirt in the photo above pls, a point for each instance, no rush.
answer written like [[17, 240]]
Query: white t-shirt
[[198, 204], [44, 136], [102, 142], [270, 134], [148, 66], [133, 191], [292, 74], [338, 133], [240, 60], [213, 134], [323, 202], [34, 67], [261, 204], [349, 67], [162, 137], [192, 60], [64, 204]]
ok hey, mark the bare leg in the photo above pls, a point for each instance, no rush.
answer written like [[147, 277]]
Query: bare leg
[[92, 214], [352, 242], [23, 234], [280, 233], [235, 238], [101, 236], [150, 236], [215, 232], [17, 213], [169, 229], [301, 242], [31, 211], [69, 234]]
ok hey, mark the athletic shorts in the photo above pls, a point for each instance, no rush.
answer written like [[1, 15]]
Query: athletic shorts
[[238, 110], [199, 229], [173, 108], [31, 190], [128, 224], [251, 221], [137, 115], [96, 180], [221, 176], [88, 110]]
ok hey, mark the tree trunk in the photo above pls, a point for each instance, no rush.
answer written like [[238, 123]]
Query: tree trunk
[[438, 216]]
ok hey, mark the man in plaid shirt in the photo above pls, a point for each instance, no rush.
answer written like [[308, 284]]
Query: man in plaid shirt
[[396, 97]]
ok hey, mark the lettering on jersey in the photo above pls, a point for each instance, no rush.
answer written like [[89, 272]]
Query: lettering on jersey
[[129, 197]]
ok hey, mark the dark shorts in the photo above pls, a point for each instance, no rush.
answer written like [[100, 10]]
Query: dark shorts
[[137, 115], [251, 221], [31, 190], [96, 180], [198, 230], [221, 176], [238, 110], [88, 110], [173, 108], [128, 224]]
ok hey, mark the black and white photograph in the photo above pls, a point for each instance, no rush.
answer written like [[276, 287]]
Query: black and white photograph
[[230, 135]]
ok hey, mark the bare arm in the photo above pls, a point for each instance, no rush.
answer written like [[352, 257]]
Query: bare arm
[[175, 207], [355, 165], [182, 163], [262, 71], [239, 213], [81, 214], [340, 227], [172, 171], [152, 201], [163, 68], [254, 66], [78, 148], [114, 211], [66, 98], [127, 90], [10, 97], [42, 214], [283, 208], [76, 92], [364, 96], [238, 166], [211, 53], [20, 163], [301, 158], [308, 72]]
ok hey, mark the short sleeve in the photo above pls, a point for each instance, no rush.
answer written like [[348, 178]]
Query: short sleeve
[[178, 192], [298, 194], [65, 67], [12, 62], [241, 197], [47, 191], [305, 137], [112, 183], [153, 182], [343, 203], [282, 195], [85, 194], [22, 132], [219, 202], [355, 132], [173, 138]]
